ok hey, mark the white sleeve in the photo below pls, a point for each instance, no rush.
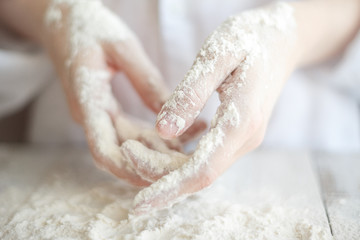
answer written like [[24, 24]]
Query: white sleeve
[[343, 73], [24, 69], [346, 73]]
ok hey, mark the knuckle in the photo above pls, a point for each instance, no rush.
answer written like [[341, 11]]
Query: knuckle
[[193, 96], [184, 100]]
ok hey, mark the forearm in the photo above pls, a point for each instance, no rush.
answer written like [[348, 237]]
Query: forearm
[[24, 17], [325, 28]]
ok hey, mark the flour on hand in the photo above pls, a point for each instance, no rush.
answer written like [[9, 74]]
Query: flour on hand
[[236, 44], [88, 22]]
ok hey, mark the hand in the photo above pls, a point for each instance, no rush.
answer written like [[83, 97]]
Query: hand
[[89, 45], [246, 60]]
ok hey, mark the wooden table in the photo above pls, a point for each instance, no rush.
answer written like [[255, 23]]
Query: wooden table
[[326, 183], [339, 177]]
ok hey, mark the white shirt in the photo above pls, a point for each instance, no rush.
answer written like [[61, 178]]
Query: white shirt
[[317, 109]]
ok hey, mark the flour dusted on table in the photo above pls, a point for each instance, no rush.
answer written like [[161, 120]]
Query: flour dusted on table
[[69, 205]]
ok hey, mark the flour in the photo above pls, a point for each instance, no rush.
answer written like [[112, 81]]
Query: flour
[[76, 201], [344, 214], [236, 43], [153, 163], [101, 213], [96, 99], [180, 123], [89, 23]]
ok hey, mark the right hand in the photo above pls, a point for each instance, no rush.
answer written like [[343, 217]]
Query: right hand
[[247, 60], [89, 45]]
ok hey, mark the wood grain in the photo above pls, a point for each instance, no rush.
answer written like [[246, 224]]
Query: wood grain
[[340, 181], [276, 178]]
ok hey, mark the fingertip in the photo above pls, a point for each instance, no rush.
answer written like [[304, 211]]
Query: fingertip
[[170, 126], [164, 131]]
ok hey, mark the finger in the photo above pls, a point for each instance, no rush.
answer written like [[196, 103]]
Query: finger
[[150, 157], [152, 140], [129, 57], [133, 129], [213, 155], [212, 65], [89, 84], [106, 151], [151, 164]]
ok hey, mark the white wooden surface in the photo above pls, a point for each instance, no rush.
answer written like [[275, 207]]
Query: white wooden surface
[[286, 179], [340, 181], [17, 171]]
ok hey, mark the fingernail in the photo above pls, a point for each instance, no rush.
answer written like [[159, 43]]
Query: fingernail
[[161, 116], [170, 125]]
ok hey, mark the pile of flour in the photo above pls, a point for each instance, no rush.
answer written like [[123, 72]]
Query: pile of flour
[[74, 200], [62, 210]]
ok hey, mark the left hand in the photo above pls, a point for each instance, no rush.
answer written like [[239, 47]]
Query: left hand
[[89, 45]]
